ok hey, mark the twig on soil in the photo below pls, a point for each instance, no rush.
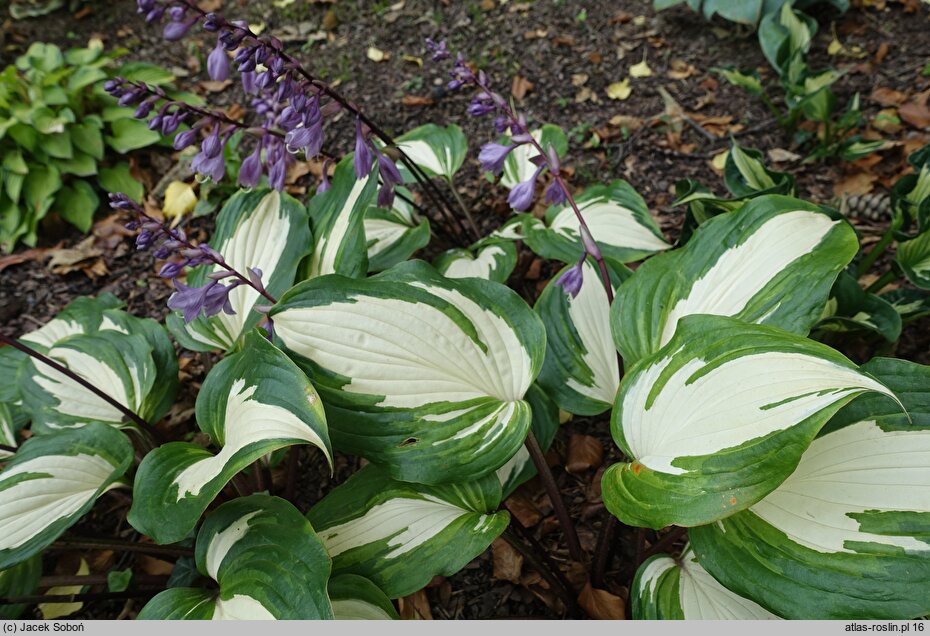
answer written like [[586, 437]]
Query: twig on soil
[[118, 545], [126, 411], [670, 538], [555, 497], [561, 590], [97, 579], [78, 598]]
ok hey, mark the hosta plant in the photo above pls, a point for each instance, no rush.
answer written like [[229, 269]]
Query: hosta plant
[[783, 479]]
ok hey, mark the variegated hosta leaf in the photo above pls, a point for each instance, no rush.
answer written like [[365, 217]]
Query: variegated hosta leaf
[[255, 229], [120, 363], [20, 580], [400, 535], [338, 220], [746, 175], [851, 308], [617, 217], [773, 261], [494, 261], [846, 535], [252, 403], [680, 589], [913, 257], [267, 560], [518, 166], [81, 316], [356, 598], [519, 468], [393, 236], [423, 374], [910, 304], [581, 371], [52, 481], [12, 415], [12, 419], [438, 151], [719, 417]]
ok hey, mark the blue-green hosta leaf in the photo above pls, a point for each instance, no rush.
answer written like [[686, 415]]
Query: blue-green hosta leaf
[[851, 308], [746, 175], [719, 417], [846, 535], [438, 151], [260, 228], [52, 481], [518, 166], [393, 236], [581, 371], [680, 589], [913, 257], [401, 535], [267, 560], [519, 468], [773, 261], [495, 261], [338, 221], [356, 598], [252, 403], [20, 580], [120, 363], [617, 217], [423, 374]]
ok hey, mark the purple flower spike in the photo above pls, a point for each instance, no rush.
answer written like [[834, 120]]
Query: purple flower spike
[[572, 279], [493, 156], [251, 170], [521, 197], [362, 153], [210, 299], [390, 176], [218, 63]]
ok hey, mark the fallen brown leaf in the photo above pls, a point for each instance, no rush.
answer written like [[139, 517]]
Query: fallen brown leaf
[[854, 184], [415, 607], [520, 87], [414, 101], [888, 96], [881, 53], [915, 112], [82, 257], [601, 604], [521, 507], [153, 566], [508, 563], [215, 86], [584, 452], [34, 254], [680, 70]]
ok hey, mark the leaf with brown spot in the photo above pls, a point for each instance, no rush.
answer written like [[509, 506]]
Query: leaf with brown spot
[[584, 452], [520, 87], [415, 607], [602, 605], [508, 563]]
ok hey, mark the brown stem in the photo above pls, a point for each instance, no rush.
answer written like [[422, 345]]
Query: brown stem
[[670, 538], [8, 449], [121, 546], [259, 475], [126, 411], [78, 598], [293, 463], [555, 497], [539, 551], [603, 551], [96, 579], [562, 591]]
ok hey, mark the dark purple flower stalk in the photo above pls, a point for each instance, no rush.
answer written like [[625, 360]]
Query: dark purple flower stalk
[[209, 299]]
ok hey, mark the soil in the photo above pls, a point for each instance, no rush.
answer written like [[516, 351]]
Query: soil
[[570, 52]]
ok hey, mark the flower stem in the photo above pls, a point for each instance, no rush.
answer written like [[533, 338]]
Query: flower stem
[[79, 598], [670, 538], [465, 210], [603, 551], [555, 497], [117, 545], [542, 564], [126, 411], [880, 283], [877, 250], [8, 449]]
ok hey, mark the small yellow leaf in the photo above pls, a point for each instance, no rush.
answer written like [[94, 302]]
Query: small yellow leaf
[[51, 611], [283, 3], [413, 59], [641, 70], [376, 55], [720, 160], [257, 28], [179, 199], [619, 90], [639, 20], [834, 47]]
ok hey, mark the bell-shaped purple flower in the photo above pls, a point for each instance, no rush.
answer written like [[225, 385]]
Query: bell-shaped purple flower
[[390, 176], [493, 156], [212, 146], [218, 63], [277, 172], [521, 197], [555, 195], [212, 167], [571, 279], [251, 170], [175, 30], [362, 153], [248, 83]]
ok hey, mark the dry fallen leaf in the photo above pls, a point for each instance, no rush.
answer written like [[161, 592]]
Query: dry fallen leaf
[[619, 90], [680, 70], [915, 112], [855, 184], [719, 161], [51, 611], [34, 254], [413, 59], [520, 87], [579, 79], [584, 452], [641, 70], [215, 86], [415, 607], [83, 256], [629, 122], [601, 604], [179, 199], [780, 155], [888, 96], [377, 55], [417, 100], [887, 121], [508, 563]]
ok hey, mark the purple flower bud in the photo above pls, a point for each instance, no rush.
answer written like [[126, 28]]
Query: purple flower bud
[[439, 51], [571, 279], [248, 83], [162, 252], [212, 167], [390, 176], [276, 174], [500, 125], [212, 146], [590, 246], [324, 180], [218, 63], [555, 195], [553, 156], [454, 85], [155, 122], [144, 6], [521, 197], [176, 30], [177, 13], [184, 139], [212, 22], [172, 122], [129, 98], [171, 270], [255, 277], [479, 108], [155, 14], [493, 156], [217, 299], [363, 157], [144, 240], [188, 300], [300, 137], [251, 170], [144, 109]]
